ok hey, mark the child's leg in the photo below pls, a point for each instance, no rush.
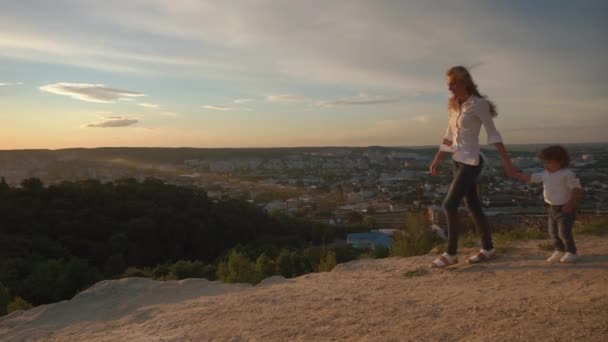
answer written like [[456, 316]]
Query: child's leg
[[565, 224], [552, 214]]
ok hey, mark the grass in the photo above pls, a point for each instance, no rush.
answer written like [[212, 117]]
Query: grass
[[597, 228], [503, 249], [518, 234], [546, 246], [468, 240], [503, 238], [416, 273]]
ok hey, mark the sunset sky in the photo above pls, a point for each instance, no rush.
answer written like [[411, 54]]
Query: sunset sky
[[294, 73]]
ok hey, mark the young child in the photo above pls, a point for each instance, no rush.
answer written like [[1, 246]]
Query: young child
[[562, 191]]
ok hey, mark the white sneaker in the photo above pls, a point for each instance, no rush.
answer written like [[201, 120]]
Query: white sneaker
[[569, 257], [556, 256]]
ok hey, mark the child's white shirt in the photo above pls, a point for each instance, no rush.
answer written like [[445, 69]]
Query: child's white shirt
[[557, 186]]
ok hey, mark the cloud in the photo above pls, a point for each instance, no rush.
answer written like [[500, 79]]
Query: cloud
[[240, 101], [6, 84], [171, 114], [89, 92], [217, 107], [285, 98], [112, 122], [361, 99], [422, 119], [148, 105], [563, 128]]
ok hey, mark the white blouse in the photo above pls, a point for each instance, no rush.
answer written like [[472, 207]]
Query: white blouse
[[464, 127]]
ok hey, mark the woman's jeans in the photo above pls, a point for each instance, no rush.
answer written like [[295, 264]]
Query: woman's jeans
[[464, 185], [560, 228]]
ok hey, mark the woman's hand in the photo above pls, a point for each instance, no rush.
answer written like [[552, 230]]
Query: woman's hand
[[510, 170], [434, 168]]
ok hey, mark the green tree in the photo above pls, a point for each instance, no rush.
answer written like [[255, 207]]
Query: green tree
[[264, 267], [379, 252], [328, 262], [3, 185], [115, 265], [76, 276], [284, 264], [238, 269], [41, 284], [189, 269], [32, 184], [18, 304], [370, 222], [416, 238], [161, 271], [355, 217], [4, 300]]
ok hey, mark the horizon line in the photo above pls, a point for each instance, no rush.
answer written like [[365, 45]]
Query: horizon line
[[280, 147]]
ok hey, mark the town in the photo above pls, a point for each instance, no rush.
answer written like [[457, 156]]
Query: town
[[374, 186]]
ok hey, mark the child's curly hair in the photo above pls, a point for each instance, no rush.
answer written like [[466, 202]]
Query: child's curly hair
[[557, 153]]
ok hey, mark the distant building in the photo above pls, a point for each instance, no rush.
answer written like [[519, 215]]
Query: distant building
[[436, 215], [276, 204], [221, 166], [369, 240]]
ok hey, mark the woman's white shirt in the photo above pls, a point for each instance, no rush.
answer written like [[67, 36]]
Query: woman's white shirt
[[464, 127]]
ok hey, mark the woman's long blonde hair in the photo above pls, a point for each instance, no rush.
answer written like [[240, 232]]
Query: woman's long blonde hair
[[461, 73]]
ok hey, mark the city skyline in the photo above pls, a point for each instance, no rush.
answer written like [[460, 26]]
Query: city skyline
[[270, 74]]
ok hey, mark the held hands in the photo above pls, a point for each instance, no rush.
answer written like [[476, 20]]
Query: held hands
[[510, 170]]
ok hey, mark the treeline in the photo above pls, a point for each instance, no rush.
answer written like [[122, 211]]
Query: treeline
[[58, 240]]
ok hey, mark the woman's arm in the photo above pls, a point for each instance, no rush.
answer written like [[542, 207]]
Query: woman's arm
[[434, 168], [506, 159]]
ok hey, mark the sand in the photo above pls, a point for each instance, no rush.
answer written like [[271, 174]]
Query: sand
[[516, 297]]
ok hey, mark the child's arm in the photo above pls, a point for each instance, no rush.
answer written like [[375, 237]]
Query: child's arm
[[526, 177], [576, 192], [575, 197]]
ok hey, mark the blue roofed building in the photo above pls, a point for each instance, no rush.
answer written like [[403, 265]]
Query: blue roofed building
[[370, 240]]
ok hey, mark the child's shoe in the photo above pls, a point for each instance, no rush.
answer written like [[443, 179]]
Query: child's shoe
[[569, 257], [557, 255]]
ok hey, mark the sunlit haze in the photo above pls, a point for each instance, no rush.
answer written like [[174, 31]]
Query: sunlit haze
[[294, 73]]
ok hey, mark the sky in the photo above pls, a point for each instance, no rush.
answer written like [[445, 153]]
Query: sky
[[88, 73]]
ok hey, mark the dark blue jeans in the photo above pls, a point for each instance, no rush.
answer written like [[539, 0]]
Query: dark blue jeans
[[464, 185], [560, 228]]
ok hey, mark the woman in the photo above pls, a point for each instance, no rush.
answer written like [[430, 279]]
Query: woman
[[468, 111]]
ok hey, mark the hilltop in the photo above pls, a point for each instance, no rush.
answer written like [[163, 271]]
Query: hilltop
[[516, 297]]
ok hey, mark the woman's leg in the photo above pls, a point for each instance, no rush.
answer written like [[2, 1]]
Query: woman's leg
[[464, 177], [479, 218]]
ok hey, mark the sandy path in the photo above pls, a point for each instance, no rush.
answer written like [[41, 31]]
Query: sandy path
[[517, 297]]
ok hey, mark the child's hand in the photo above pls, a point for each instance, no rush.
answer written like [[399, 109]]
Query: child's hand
[[568, 208]]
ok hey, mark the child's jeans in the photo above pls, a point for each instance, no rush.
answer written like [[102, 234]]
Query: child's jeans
[[560, 228]]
